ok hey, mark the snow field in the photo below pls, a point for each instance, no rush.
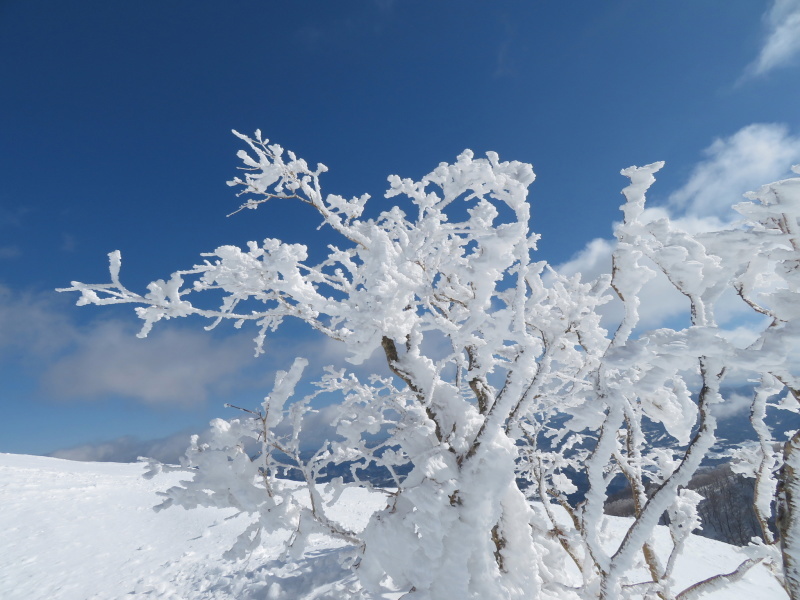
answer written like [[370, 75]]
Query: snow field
[[86, 531]]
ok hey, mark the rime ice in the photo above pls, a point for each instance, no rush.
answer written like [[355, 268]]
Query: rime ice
[[528, 388]]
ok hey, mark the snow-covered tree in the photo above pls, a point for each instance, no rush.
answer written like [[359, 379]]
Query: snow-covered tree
[[510, 407]]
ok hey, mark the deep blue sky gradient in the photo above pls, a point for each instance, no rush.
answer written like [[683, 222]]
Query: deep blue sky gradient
[[115, 122]]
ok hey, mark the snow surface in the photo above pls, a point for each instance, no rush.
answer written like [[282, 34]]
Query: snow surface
[[86, 531]]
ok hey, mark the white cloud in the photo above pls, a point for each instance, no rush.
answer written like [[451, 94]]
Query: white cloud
[[592, 261], [32, 326], [128, 448], [734, 404], [744, 334], [318, 427], [782, 41], [104, 358], [170, 366], [176, 364], [754, 155]]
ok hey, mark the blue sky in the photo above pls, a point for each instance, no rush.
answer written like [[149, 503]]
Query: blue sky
[[115, 124]]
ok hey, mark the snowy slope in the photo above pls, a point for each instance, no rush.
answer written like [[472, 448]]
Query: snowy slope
[[86, 531]]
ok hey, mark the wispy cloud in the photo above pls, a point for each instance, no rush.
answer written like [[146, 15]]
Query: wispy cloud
[[752, 156], [178, 364], [782, 41], [104, 358], [171, 366]]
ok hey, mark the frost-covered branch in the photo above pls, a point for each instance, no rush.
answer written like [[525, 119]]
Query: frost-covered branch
[[502, 376]]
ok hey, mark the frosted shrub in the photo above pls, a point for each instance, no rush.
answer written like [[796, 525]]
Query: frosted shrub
[[530, 387]]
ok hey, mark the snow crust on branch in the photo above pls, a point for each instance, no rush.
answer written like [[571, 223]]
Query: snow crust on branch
[[501, 451]]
